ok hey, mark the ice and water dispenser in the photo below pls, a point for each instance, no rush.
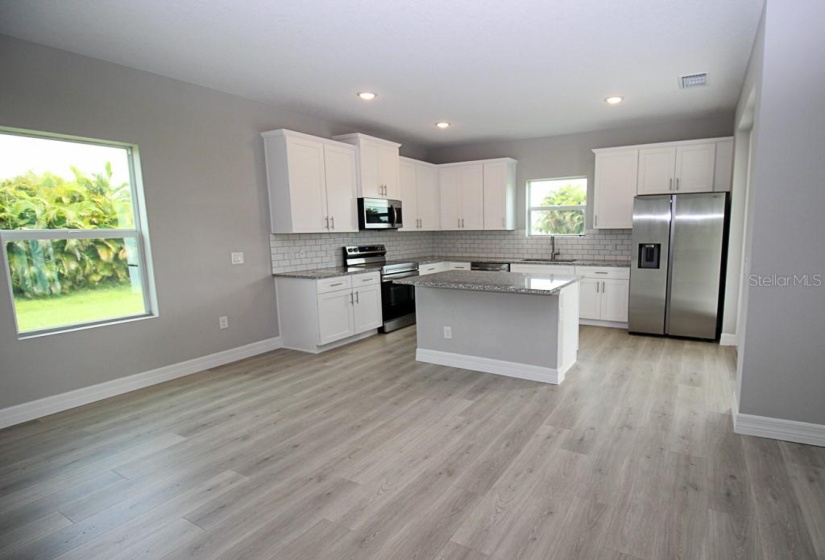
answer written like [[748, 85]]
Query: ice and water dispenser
[[649, 254]]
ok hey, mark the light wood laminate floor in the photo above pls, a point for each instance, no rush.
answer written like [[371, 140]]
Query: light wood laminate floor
[[362, 452]]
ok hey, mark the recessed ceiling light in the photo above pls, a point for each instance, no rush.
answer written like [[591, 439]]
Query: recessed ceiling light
[[613, 100], [367, 95], [442, 124]]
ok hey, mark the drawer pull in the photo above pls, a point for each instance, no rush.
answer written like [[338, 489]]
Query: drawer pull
[[599, 272], [336, 284]]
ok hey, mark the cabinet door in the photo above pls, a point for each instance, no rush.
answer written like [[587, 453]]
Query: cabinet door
[[723, 168], [409, 194], [499, 195], [426, 178], [450, 195], [694, 167], [335, 316], [614, 300], [614, 189], [339, 166], [472, 197], [367, 308], [589, 298], [388, 171], [656, 170], [307, 185], [368, 180]]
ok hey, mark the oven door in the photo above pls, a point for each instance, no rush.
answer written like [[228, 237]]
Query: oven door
[[397, 302]]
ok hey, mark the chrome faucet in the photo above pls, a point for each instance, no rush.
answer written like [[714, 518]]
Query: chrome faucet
[[553, 253]]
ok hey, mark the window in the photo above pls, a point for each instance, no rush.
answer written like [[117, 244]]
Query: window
[[70, 226], [556, 206]]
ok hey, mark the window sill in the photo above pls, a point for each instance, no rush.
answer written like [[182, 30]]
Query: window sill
[[75, 328]]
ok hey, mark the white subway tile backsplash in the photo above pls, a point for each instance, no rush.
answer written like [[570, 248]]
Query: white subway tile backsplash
[[324, 250]]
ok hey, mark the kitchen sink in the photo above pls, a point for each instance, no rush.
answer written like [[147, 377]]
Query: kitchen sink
[[549, 261]]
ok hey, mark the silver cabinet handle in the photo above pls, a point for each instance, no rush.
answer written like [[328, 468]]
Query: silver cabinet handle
[[600, 272], [596, 220], [458, 222], [336, 284], [332, 220], [677, 183], [327, 219], [670, 184], [357, 300]]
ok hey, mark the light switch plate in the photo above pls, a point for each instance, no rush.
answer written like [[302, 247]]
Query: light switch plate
[[237, 258]]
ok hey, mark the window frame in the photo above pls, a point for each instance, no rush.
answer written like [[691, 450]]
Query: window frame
[[139, 232], [531, 209]]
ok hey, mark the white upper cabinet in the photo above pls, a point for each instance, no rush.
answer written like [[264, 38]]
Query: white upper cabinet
[[614, 188], [668, 168], [500, 194], [674, 169], [378, 165], [462, 196], [419, 193], [723, 170], [311, 183]]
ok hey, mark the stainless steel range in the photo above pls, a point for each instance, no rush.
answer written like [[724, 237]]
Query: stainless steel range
[[397, 302]]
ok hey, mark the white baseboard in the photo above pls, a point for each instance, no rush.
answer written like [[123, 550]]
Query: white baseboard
[[489, 365], [728, 339], [777, 428], [58, 403], [600, 323]]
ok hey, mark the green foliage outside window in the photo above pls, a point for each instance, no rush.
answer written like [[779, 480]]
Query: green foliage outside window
[[48, 202], [557, 207]]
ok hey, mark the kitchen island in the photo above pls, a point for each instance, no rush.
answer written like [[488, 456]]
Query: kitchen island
[[515, 324]]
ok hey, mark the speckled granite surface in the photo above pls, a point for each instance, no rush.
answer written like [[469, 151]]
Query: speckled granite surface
[[331, 272], [321, 273], [507, 282], [428, 259]]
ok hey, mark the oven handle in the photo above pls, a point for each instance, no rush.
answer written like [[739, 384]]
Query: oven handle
[[394, 216], [391, 277]]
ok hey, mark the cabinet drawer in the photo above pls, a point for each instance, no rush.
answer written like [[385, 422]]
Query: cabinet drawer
[[366, 279], [334, 284], [603, 272], [543, 268], [425, 269]]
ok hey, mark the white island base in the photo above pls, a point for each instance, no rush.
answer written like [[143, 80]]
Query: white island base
[[527, 336]]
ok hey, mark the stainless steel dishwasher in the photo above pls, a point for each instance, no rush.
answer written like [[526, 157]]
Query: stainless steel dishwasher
[[490, 266]]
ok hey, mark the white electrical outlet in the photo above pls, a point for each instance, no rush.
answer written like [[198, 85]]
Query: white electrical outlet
[[237, 258], [448, 332], [223, 322]]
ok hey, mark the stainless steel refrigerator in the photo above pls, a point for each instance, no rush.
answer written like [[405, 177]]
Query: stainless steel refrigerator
[[677, 272]]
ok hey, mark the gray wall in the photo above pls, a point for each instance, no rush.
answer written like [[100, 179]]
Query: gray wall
[[782, 357], [205, 189]]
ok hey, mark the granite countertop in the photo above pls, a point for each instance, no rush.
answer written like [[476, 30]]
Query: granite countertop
[[321, 273], [429, 259], [333, 271], [503, 282]]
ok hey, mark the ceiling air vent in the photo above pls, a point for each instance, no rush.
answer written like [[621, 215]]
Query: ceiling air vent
[[693, 80]]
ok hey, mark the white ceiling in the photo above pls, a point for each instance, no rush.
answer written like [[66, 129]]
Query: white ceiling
[[519, 69]]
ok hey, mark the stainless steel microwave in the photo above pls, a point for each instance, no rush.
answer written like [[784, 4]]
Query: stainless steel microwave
[[379, 213]]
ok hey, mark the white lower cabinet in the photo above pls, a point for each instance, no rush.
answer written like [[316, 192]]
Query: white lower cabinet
[[458, 266], [431, 268], [542, 268], [317, 314], [603, 294]]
